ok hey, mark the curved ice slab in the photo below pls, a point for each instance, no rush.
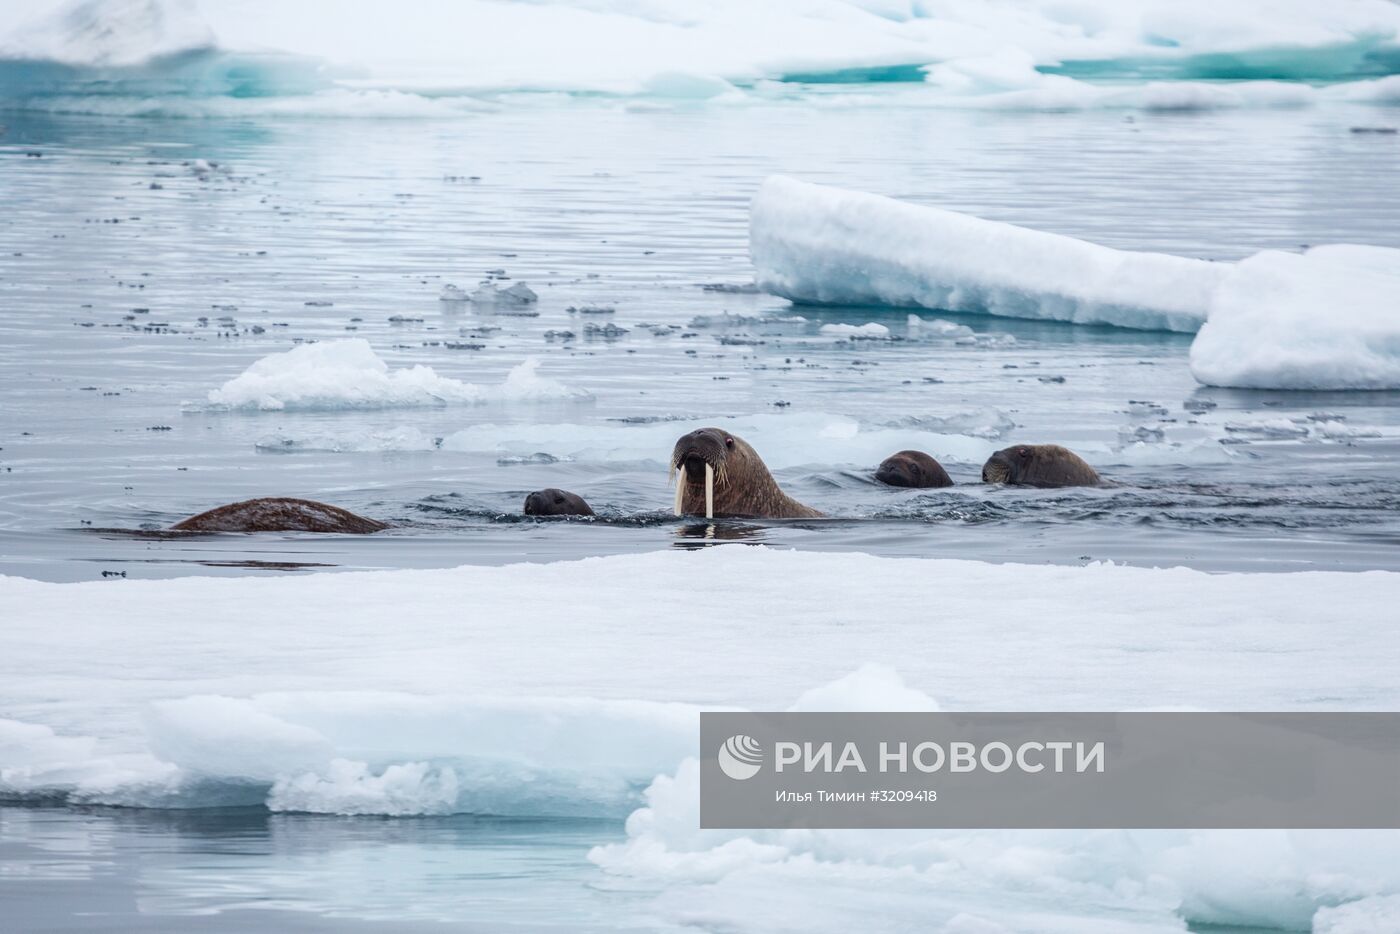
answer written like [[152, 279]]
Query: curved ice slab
[[821, 245], [1326, 319]]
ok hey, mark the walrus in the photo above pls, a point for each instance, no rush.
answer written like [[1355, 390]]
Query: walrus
[[279, 514], [912, 468], [552, 502], [718, 474], [1044, 465]]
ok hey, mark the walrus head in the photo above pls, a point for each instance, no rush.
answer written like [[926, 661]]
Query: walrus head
[[1043, 465], [912, 469], [717, 472], [552, 502]]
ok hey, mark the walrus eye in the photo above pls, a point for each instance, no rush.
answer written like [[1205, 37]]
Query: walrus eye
[[1024, 452], [729, 442]]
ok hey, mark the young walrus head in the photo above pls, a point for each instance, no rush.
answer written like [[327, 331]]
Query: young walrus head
[[555, 502], [717, 473], [1044, 465], [912, 469]]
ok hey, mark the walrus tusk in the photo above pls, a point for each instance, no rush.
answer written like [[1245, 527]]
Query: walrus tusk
[[709, 491], [680, 489]]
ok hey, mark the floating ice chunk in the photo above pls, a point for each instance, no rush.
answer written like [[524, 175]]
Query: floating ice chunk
[[518, 294], [857, 332], [349, 374], [450, 293], [204, 168], [811, 243], [1325, 319], [937, 327]]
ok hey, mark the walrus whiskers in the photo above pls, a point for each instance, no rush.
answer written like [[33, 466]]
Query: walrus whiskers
[[709, 491], [680, 490]]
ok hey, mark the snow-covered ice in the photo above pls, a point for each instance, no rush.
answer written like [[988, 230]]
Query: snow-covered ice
[[406, 692], [1325, 319], [348, 374], [1328, 318], [817, 244]]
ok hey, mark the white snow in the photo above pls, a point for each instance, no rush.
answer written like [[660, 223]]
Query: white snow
[[410, 692], [348, 374], [817, 244], [1325, 319]]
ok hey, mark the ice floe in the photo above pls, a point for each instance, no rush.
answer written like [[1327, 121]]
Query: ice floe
[[367, 693], [348, 374], [1325, 319], [1328, 318], [817, 244]]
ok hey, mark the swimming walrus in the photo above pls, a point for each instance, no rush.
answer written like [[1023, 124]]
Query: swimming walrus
[[554, 502], [913, 469], [1044, 465], [279, 514], [721, 475]]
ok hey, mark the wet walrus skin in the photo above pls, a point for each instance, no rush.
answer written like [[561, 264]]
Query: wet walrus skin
[[280, 514], [743, 487], [555, 502], [912, 469], [1043, 465]]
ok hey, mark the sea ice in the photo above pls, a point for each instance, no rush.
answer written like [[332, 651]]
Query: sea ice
[[816, 244], [407, 692], [1325, 319], [349, 374], [518, 294]]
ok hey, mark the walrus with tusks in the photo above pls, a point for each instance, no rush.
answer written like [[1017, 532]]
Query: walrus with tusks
[[555, 502], [280, 514], [912, 469], [1043, 465], [718, 474]]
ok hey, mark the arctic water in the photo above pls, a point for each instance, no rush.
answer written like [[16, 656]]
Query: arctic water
[[147, 261]]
